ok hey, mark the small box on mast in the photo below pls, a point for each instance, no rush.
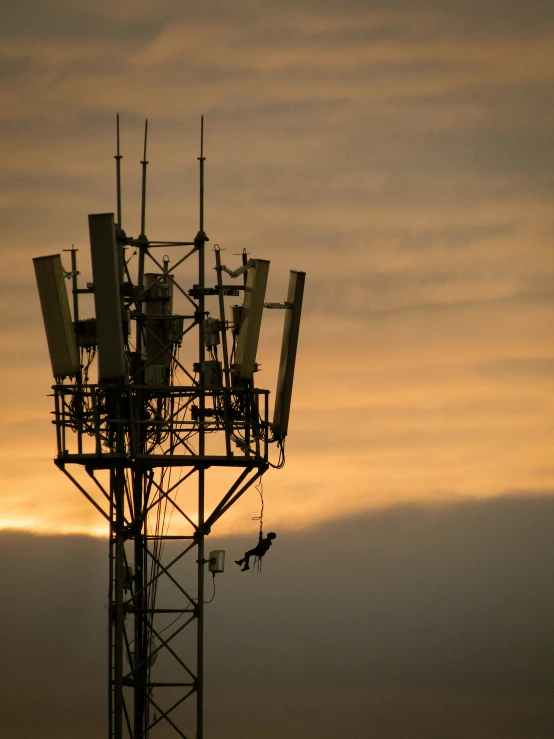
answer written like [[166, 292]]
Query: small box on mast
[[216, 561]]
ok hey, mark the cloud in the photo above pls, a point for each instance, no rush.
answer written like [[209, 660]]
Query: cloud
[[415, 621]]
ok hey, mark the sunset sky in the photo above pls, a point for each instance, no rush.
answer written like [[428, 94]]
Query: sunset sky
[[400, 153]]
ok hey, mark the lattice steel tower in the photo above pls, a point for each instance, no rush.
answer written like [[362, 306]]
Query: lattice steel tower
[[174, 401]]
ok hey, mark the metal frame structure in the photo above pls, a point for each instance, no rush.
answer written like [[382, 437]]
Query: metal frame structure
[[132, 444]]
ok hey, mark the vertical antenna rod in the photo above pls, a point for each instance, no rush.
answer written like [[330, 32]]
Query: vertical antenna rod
[[200, 245], [118, 159], [202, 159], [143, 203]]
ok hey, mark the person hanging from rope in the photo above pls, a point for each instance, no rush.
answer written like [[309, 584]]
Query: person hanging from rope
[[259, 550]]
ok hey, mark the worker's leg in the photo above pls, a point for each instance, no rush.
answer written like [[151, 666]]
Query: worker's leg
[[247, 555]]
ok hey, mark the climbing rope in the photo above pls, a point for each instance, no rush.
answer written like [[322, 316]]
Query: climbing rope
[[260, 518], [257, 566]]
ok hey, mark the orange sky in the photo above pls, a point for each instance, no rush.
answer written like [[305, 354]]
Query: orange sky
[[402, 159]]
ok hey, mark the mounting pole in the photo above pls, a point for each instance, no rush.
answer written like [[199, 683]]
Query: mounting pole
[[142, 247], [75, 291], [226, 368]]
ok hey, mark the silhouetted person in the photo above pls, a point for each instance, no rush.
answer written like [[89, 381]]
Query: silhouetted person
[[259, 550]]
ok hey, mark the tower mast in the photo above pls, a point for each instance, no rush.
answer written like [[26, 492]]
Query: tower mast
[[151, 422]]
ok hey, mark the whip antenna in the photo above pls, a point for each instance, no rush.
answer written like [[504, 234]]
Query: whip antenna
[[144, 163], [118, 157]]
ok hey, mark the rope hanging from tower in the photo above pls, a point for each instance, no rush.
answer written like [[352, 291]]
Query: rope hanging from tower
[[260, 488]]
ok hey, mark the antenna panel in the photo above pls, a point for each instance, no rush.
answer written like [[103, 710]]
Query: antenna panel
[[283, 393], [107, 297], [62, 346], [251, 318]]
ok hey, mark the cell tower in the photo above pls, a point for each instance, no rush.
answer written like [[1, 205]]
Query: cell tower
[[174, 411]]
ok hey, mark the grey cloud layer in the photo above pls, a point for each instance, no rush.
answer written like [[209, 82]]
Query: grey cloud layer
[[414, 622]]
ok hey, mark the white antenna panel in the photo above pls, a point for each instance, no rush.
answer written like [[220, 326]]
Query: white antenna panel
[[251, 318], [62, 346], [107, 297], [283, 394]]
